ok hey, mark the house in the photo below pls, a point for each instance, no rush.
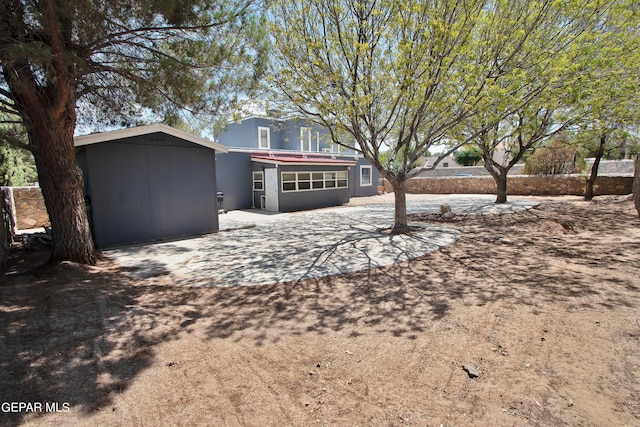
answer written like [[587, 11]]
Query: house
[[288, 165], [446, 162], [147, 183]]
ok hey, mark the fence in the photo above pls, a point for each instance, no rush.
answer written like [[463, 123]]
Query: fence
[[524, 185], [26, 207]]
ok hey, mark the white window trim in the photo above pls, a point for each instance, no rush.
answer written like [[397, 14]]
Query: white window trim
[[261, 179], [260, 129], [311, 181], [305, 132], [370, 176]]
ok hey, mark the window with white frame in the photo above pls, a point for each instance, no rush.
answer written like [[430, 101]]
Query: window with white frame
[[305, 139], [264, 137], [366, 177], [309, 181], [258, 181]]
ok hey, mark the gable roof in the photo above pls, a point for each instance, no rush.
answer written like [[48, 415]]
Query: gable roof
[[95, 138]]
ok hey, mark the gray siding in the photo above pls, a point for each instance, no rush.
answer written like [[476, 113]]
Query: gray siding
[[239, 135], [356, 189], [149, 187], [245, 134], [284, 134], [257, 195], [303, 200], [233, 174]]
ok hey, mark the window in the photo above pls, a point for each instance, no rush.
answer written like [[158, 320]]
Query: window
[[289, 181], [305, 139], [304, 181], [445, 165], [264, 137], [309, 181], [258, 181], [317, 182], [366, 179], [343, 178]]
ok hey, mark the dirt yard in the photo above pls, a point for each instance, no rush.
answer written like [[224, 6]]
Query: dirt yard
[[529, 319]]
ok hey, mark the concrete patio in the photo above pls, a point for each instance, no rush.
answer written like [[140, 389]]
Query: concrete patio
[[254, 247]]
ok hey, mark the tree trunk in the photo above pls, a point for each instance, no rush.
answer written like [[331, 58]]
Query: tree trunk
[[501, 188], [62, 188], [636, 184], [400, 225], [591, 181], [46, 102]]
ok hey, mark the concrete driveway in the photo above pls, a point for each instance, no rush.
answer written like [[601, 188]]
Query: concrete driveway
[[254, 247]]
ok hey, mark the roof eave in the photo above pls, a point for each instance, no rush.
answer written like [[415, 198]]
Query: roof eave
[[96, 138]]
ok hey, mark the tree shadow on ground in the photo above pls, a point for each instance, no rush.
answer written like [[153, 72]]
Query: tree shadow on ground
[[80, 335], [525, 258], [73, 334]]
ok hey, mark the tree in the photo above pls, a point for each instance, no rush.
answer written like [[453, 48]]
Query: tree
[[17, 166], [119, 60], [600, 141], [468, 156], [400, 75], [608, 88], [514, 135], [636, 184], [534, 101]]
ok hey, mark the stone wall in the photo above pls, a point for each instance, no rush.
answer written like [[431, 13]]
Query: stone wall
[[28, 207], [529, 185]]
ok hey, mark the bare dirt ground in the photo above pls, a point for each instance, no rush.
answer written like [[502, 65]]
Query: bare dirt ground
[[542, 305]]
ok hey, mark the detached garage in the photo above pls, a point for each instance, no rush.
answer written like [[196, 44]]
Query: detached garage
[[148, 183]]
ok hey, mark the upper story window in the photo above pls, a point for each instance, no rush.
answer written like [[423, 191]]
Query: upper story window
[[305, 139], [264, 137]]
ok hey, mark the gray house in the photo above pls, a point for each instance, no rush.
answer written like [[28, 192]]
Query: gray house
[[147, 183], [288, 165]]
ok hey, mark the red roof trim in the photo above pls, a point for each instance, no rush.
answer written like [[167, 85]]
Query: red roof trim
[[299, 159]]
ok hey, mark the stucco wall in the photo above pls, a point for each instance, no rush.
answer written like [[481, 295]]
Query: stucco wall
[[519, 185]]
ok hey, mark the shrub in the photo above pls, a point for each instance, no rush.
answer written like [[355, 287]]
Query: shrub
[[555, 158], [467, 156]]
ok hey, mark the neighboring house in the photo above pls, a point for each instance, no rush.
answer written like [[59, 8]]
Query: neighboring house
[[447, 162], [287, 165], [147, 183]]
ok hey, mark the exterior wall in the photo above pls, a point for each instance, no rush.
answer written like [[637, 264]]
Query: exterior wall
[[284, 135], [27, 204], [257, 195], [149, 187], [467, 170], [244, 134], [233, 176], [354, 176], [240, 135], [234, 171], [313, 199], [519, 185]]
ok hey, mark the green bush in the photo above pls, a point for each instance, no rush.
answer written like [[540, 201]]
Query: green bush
[[467, 156]]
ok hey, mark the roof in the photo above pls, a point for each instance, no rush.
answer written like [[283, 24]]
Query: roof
[[95, 138], [300, 159]]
